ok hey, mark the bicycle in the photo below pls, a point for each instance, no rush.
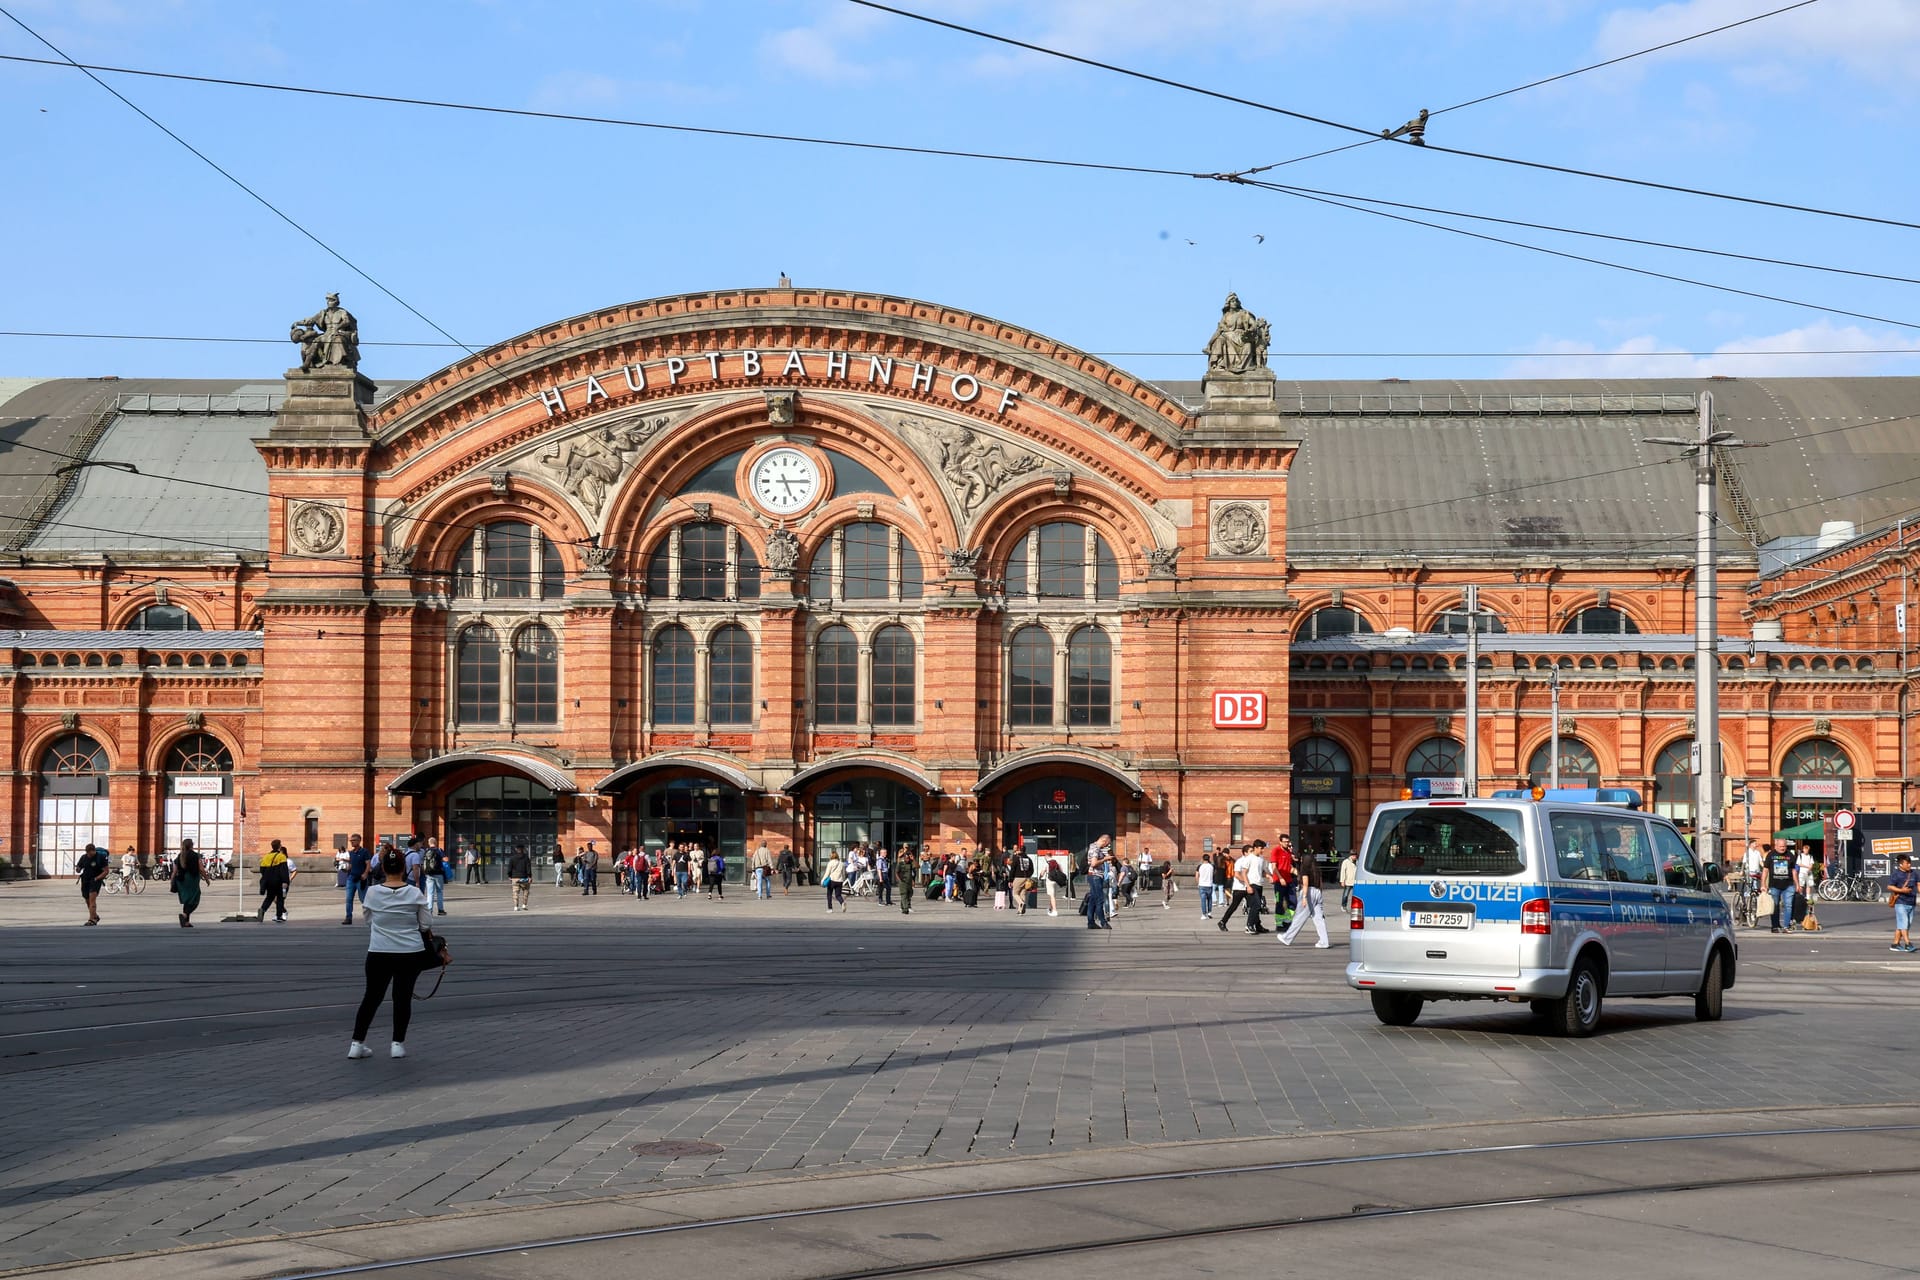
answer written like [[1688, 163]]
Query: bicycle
[[125, 882]]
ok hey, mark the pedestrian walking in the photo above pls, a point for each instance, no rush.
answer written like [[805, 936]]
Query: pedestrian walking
[[397, 917], [559, 869], [1053, 877], [789, 867], [91, 867], [189, 873], [1099, 867], [1349, 872], [433, 877], [717, 875], [833, 880], [276, 877], [1311, 907], [476, 874], [1780, 881], [1901, 891], [1203, 885], [1167, 886], [520, 874], [763, 871]]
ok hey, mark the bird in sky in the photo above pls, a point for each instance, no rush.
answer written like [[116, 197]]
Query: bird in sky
[[1258, 238]]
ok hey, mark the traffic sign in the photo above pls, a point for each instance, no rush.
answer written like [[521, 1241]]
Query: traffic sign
[[1843, 819]]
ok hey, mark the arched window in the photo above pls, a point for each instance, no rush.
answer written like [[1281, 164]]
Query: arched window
[[73, 755], [1322, 798], [199, 753], [74, 806], [1816, 778], [1333, 621], [1452, 621], [1436, 758], [509, 560], [536, 676], [477, 693], [1673, 781], [673, 674], [162, 617], [1817, 757], [730, 676], [1062, 561], [836, 677], [893, 679], [199, 799], [1601, 620], [1030, 678], [866, 560], [1578, 768], [1089, 677], [1321, 755]]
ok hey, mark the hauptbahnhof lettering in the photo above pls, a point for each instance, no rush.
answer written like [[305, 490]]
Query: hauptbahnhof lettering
[[812, 567]]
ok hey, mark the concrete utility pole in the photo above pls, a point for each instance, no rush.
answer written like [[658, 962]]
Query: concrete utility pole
[[1706, 629], [1553, 745], [1470, 610]]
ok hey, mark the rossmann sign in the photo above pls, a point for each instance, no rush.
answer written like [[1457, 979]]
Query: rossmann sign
[[1239, 709]]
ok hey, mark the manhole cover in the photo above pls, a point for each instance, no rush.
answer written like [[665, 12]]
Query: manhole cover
[[674, 1150]]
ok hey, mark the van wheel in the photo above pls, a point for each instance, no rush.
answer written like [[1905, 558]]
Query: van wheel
[[1397, 1008], [1707, 1000], [1578, 1012]]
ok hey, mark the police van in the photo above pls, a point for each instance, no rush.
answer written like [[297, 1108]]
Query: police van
[[1557, 899]]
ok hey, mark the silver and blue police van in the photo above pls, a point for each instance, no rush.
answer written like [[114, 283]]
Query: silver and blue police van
[[1556, 899]]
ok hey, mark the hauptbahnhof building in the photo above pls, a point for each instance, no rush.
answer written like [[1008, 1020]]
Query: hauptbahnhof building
[[812, 567]]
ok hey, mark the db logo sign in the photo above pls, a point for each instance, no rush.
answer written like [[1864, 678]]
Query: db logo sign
[[1239, 709]]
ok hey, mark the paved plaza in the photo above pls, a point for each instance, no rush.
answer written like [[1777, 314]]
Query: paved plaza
[[168, 1088]]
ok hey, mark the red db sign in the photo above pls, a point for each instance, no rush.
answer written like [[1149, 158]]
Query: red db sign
[[1239, 709]]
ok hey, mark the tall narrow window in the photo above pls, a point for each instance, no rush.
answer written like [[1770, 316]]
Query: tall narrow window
[[836, 677], [536, 676], [1089, 678], [893, 683], [1052, 561], [868, 559], [1030, 678], [478, 696], [703, 562], [509, 560], [913, 578], [746, 573], [673, 677], [1063, 560], [730, 676]]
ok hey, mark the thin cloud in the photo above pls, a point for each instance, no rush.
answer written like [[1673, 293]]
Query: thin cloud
[[1789, 354], [1876, 38]]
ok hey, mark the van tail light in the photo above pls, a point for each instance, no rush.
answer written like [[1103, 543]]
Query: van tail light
[[1358, 920], [1536, 916]]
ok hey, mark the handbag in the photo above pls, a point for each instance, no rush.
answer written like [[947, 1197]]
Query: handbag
[[1763, 905], [434, 953]]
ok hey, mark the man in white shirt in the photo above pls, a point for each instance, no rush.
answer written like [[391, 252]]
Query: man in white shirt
[[1203, 881], [1246, 868]]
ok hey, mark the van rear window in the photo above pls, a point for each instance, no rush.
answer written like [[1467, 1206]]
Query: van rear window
[[1449, 842]]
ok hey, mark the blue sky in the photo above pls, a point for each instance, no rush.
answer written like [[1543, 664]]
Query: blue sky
[[492, 226]]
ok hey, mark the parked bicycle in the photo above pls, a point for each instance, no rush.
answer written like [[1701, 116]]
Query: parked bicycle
[[126, 882], [1843, 888]]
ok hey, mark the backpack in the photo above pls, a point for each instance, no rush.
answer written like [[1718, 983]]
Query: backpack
[[436, 863], [717, 865]]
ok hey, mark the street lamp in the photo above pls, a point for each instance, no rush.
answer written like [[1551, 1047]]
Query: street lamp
[[1706, 626]]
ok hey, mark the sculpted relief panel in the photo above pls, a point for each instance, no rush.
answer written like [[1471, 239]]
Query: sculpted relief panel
[[589, 464]]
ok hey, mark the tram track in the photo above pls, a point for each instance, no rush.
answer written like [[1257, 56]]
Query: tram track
[[1036, 1201]]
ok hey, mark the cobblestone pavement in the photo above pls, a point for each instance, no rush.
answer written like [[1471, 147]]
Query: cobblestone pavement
[[168, 1087]]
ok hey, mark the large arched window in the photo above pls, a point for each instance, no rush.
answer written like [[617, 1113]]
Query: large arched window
[[1030, 678], [1436, 758], [509, 560], [1062, 561], [73, 801], [1578, 767], [730, 676], [893, 677], [1452, 621], [1673, 781], [673, 677], [1601, 620], [836, 677], [199, 799], [536, 676], [162, 617], [477, 693], [1816, 778], [1333, 621], [1322, 798], [866, 560], [1089, 677]]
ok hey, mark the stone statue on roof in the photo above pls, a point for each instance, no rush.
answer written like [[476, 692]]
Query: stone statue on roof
[[1239, 343], [328, 339]]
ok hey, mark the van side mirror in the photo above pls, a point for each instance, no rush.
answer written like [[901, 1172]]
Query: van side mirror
[[1715, 873]]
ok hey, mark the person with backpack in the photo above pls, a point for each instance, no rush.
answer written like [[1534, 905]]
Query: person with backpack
[[717, 875], [92, 867], [520, 875], [789, 867], [276, 877], [433, 877]]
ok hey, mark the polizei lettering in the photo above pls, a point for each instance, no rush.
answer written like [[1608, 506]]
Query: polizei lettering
[[748, 366]]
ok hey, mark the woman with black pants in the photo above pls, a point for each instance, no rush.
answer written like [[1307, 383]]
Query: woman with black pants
[[395, 952]]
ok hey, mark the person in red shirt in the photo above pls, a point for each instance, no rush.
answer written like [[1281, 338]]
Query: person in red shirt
[[1285, 891]]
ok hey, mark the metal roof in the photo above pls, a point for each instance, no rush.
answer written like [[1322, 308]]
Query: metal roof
[[1391, 642], [161, 640], [420, 777]]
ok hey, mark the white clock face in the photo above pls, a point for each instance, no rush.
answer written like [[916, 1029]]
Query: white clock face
[[784, 481]]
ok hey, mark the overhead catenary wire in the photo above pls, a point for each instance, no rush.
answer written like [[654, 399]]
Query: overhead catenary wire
[[265, 203], [1372, 135]]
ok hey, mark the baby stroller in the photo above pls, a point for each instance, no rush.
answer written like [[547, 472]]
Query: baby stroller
[[863, 885]]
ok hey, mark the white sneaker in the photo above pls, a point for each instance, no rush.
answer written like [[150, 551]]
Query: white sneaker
[[1166, 906], [398, 1051], [1321, 946], [1053, 913], [358, 1050]]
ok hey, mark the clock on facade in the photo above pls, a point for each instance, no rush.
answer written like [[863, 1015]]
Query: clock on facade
[[783, 481]]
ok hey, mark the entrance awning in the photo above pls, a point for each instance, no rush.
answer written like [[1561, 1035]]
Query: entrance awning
[[1000, 773], [424, 776], [627, 774], [840, 764], [1805, 831]]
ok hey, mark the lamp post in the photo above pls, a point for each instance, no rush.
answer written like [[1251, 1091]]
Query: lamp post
[[1706, 626], [1553, 746], [1470, 609]]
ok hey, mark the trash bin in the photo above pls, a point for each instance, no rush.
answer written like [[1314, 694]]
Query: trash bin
[[1150, 880]]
